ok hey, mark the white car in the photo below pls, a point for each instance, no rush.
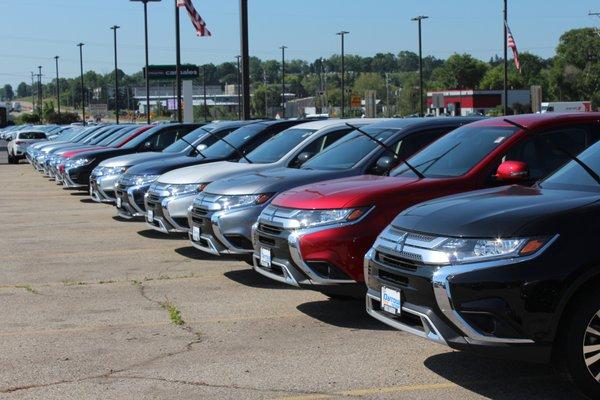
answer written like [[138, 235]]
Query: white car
[[17, 147]]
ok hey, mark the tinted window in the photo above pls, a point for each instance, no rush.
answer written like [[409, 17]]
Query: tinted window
[[573, 176], [318, 145], [144, 136], [347, 152], [457, 152], [237, 138], [279, 145], [32, 135], [116, 136], [194, 136]]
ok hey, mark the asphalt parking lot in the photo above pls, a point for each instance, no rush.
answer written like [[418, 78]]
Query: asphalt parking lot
[[96, 307]]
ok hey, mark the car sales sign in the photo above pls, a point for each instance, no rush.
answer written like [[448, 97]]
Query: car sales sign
[[169, 72]]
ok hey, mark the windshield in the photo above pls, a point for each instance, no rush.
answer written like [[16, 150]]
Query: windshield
[[573, 177], [457, 152], [101, 135], [279, 145], [348, 151], [237, 138], [180, 146], [142, 137], [80, 136]]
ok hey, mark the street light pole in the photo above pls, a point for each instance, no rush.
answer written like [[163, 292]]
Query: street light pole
[[32, 95], [39, 85], [114, 28], [505, 22], [343, 104], [245, 53], [421, 105], [145, 2], [80, 45], [204, 85], [238, 88], [57, 86], [283, 80], [178, 64]]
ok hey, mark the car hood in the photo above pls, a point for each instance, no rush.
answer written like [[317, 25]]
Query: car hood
[[357, 191], [210, 172], [161, 166], [135, 158], [508, 211], [274, 180]]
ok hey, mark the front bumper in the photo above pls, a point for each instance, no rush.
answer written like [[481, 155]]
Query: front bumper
[[223, 232], [169, 212], [479, 307], [102, 188], [130, 200]]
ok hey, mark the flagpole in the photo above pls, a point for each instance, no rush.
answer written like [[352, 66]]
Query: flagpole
[[505, 102], [178, 64]]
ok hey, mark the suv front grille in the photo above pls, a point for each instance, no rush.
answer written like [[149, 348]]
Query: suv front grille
[[270, 229]]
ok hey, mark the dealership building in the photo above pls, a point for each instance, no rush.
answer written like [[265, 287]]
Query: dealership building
[[470, 101]]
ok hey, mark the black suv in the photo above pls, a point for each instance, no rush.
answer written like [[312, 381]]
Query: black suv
[[509, 271]]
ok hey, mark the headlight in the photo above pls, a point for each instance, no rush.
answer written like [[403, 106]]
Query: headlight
[[180, 190], [78, 162], [229, 202], [311, 218], [105, 171], [457, 251]]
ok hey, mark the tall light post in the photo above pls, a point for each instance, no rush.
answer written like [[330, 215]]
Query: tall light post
[[238, 87], [178, 64], [57, 86], [245, 53], [39, 85], [32, 95], [80, 45], [204, 85], [342, 34], [505, 26], [145, 2], [421, 105], [283, 80], [114, 28]]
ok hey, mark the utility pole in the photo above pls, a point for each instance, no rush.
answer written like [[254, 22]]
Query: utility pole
[[505, 102], [39, 92], [80, 45], [114, 28], [283, 80], [145, 2], [343, 104], [204, 85], [178, 64], [32, 95], [421, 105], [238, 87], [245, 53], [387, 94], [57, 87], [266, 94]]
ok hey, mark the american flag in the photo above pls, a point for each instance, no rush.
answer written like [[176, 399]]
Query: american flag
[[510, 41], [197, 20]]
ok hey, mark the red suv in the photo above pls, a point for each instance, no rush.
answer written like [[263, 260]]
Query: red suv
[[316, 236]]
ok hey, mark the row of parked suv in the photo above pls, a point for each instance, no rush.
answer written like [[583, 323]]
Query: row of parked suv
[[475, 233]]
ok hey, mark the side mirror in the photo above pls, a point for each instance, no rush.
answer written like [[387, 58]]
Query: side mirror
[[512, 171], [384, 164], [303, 157], [148, 145]]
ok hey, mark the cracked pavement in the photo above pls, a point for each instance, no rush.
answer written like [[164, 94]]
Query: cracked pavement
[[94, 326]]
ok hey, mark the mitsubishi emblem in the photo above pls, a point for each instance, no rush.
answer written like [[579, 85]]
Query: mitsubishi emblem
[[401, 242]]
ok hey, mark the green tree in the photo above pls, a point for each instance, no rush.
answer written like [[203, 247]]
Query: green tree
[[23, 90], [8, 92], [370, 81], [460, 71]]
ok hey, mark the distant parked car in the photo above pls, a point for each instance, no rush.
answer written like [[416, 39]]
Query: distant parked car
[[16, 148]]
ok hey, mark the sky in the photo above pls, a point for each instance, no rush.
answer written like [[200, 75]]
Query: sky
[[34, 31]]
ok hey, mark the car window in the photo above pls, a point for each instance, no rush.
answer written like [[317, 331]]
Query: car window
[[237, 138], [138, 140], [540, 151], [32, 135], [164, 139], [458, 152], [320, 144], [350, 150], [279, 145]]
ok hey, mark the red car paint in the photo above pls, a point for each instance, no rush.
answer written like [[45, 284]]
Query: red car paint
[[345, 246]]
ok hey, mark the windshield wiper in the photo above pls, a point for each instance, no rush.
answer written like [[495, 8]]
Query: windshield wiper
[[388, 148], [194, 148], [438, 158], [238, 151], [573, 157]]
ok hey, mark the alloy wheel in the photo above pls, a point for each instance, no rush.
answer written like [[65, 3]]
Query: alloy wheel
[[591, 346]]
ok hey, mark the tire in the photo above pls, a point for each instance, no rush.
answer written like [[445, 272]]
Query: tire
[[581, 332]]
